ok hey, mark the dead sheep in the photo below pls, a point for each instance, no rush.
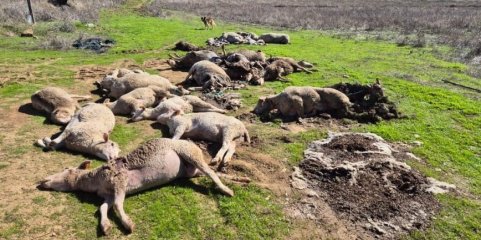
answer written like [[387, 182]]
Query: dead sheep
[[87, 132], [253, 56], [242, 68], [187, 104], [186, 46], [186, 62], [297, 65], [278, 69], [156, 162], [208, 126], [209, 76], [251, 72], [279, 38], [118, 86], [137, 99], [248, 35], [295, 102], [107, 82], [56, 102], [232, 37]]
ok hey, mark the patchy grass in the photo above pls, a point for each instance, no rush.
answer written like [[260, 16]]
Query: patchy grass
[[447, 119]]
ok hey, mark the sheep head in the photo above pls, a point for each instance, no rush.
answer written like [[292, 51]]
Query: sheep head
[[66, 180]]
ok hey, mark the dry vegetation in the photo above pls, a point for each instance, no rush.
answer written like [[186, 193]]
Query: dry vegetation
[[45, 10], [457, 23]]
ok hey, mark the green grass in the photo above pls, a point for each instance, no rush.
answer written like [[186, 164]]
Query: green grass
[[447, 119]]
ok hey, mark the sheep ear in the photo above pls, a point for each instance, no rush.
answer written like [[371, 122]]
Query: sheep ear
[[106, 137], [178, 112], [378, 81], [85, 165]]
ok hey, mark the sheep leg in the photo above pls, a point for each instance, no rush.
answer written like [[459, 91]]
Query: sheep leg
[[203, 167], [188, 77], [112, 106], [220, 154], [80, 98], [104, 220], [178, 132], [58, 142], [119, 207], [228, 155], [201, 106], [227, 137], [280, 77], [298, 105]]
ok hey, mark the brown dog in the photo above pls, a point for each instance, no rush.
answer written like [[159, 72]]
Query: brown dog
[[208, 22]]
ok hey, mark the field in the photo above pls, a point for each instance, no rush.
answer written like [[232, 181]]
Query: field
[[445, 118]]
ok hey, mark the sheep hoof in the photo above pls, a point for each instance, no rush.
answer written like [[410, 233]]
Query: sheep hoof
[[214, 161], [227, 191], [40, 143], [130, 226], [106, 228]]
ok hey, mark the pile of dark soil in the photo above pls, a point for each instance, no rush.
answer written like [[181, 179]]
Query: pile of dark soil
[[364, 182], [98, 45], [370, 103]]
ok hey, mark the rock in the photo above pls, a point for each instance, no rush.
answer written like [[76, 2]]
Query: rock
[[298, 181], [90, 25], [417, 136], [412, 156], [438, 187], [312, 193]]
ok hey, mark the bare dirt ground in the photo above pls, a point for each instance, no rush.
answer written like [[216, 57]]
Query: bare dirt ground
[[26, 166]]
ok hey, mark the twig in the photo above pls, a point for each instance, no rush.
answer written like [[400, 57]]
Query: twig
[[463, 86]]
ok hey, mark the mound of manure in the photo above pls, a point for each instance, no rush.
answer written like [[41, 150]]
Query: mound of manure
[[365, 182]]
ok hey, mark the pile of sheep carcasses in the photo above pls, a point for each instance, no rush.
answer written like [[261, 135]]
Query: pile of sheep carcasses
[[211, 72], [144, 96]]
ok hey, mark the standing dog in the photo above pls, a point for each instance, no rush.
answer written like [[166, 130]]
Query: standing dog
[[208, 22]]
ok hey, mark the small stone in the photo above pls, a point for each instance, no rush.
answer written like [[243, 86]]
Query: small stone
[[417, 136], [412, 156], [90, 25], [312, 193]]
